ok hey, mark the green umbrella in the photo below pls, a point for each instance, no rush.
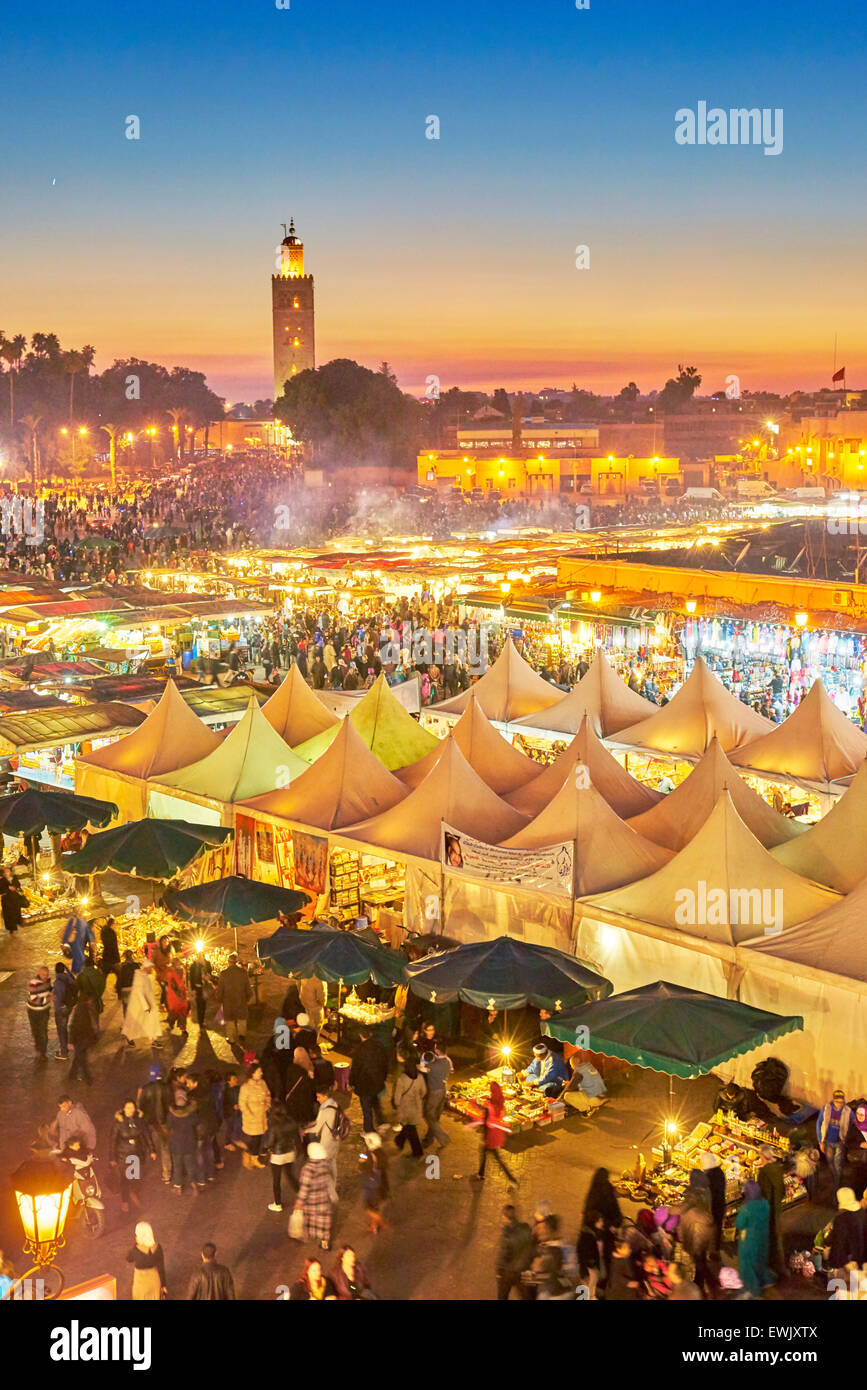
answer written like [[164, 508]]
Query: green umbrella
[[37, 809], [506, 973], [338, 957], [671, 1029], [237, 900], [145, 848]]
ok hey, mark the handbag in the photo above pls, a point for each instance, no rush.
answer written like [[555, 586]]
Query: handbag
[[296, 1224]]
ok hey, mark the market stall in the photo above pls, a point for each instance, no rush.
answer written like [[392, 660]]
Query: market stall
[[684, 1033]]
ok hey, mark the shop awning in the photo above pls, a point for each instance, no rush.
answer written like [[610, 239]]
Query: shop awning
[[680, 1032], [22, 733], [145, 848], [506, 973]]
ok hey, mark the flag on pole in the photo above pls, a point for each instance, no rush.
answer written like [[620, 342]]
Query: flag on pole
[[839, 376]]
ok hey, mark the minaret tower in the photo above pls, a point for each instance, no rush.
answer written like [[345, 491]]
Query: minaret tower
[[292, 311]]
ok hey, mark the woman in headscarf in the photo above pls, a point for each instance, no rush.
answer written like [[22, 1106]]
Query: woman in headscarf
[[317, 1194], [177, 999], [753, 1224], [858, 1149], [494, 1131], [142, 1018], [408, 1099], [848, 1245], [149, 1277]]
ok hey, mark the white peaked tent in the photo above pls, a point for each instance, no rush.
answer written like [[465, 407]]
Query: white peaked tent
[[347, 784], [816, 744], [834, 850], [676, 818], [606, 854], [295, 711], [834, 941], [623, 793], [701, 710], [451, 792], [601, 695], [503, 767], [252, 759], [171, 737], [508, 690], [724, 887]]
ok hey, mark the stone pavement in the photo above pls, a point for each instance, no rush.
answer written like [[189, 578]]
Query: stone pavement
[[442, 1231]]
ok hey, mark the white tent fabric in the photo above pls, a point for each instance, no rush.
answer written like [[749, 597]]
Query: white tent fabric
[[624, 793], [295, 712], [347, 784], [503, 767], [724, 886], [833, 941], [606, 853], [508, 690], [171, 737], [601, 695], [701, 710], [677, 817], [814, 746], [451, 792], [834, 850], [251, 760]]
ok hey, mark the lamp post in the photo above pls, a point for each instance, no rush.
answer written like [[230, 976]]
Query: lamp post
[[43, 1191]]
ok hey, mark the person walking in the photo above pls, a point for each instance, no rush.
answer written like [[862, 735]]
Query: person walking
[[83, 1034], [514, 1254], [129, 1144], [832, 1128], [717, 1183], [12, 900], [436, 1068], [76, 936], [349, 1277], [317, 1195], [368, 1075], [494, 1132], [328, 1127], [408, 1096], [772, 1185], [177, 1000], [182, 1127], [752, 1224], [149, 1266], [254, 1102], [285, 1138], [63, 994], [142, 1018], [312, 992], [109, 961], [39, 1010], [234, 993], [200, 978], [91, 984], [213, 1282], [124, 979], [153, 1101], [373, 1167]]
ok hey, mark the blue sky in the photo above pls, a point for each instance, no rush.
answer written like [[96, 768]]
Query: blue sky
[[454, 256]]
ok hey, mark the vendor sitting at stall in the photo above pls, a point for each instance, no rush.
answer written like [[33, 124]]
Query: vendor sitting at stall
[[733, 1097], [547, 1071], [587, 1086]]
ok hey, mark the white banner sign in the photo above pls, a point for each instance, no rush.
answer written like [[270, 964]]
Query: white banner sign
[[547, 870]]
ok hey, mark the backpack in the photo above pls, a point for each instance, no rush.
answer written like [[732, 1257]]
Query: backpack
[[342, 1127]]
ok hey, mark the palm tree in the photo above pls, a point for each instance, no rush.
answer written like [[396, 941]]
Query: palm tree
[[73, 363], [32, 423], [12, 351]]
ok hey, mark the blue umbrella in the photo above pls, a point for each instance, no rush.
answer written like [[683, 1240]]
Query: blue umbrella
[[506, 974]]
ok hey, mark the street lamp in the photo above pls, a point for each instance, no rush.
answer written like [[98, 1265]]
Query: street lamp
[[43, 1191]]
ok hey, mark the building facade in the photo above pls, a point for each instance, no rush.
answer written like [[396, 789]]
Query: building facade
[[292, 312]]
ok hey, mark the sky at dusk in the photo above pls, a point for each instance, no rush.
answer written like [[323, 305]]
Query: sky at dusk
[[456, 256]]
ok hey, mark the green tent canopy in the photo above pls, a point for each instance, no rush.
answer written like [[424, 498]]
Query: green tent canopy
[[336, 957], [384, 725], [506, 973], [670, 1029]]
